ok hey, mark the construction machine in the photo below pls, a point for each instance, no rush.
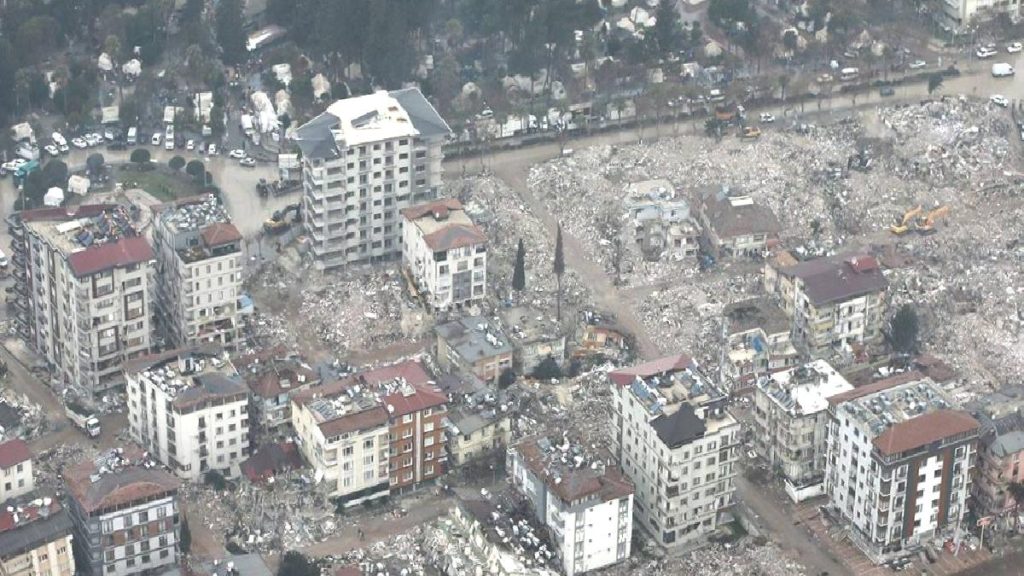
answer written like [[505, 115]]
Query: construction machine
[[903, 224], [926, 224], [278, 223]]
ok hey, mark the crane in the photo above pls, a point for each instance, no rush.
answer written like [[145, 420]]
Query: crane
[[926, 224], [903, 224]]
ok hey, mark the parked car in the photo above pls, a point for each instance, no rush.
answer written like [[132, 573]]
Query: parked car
[[917, 64], [108, 135], [190, 145], [1015, 47], [1001, 70], [79, 143], [886, 91], [767, 118], [212, 150], [248, 162], [237, 153], [52, 150], [93, 139], [984, 52], [999, 100], [157, 138]]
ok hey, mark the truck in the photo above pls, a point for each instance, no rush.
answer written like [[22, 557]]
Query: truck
[[83, 418], [133, 135]]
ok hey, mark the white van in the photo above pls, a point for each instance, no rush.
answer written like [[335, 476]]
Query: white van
[[1001, 70], [847, 74], [133, 135]]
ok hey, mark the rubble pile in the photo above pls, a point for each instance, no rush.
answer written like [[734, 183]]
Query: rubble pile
[[746, 559], [400, 554]]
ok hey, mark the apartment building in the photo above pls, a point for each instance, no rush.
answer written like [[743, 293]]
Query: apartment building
[[36, 538], [791, 423], [125, 514], [365, 159], [899, 463], [661, 224], [833, 302], [190, 409], [679, 447], [474, 432], [956, 15], [376, 432], [199, 267], [587, 508], [15, 470], [273, 376], [475, 345], [82, 280], [756, 343], [1000, 463], [735, 225], [445, 253]]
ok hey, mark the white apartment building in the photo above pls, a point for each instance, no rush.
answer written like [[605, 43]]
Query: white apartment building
[[15, 470], [678, 445], [364, 159], [956, 15], [125, 513], [35, 538], [899, 463], [190, 409], [199, 268], [791, 419], [82, 280], [346, 440], [587, 509], [445, 253]]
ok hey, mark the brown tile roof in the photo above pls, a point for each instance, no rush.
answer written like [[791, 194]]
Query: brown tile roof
[[885, 384], [14, 452], [114, 489], [265, 369], [365, 420], [219, 234], [838, 278], [569, 483], [626, 376], [439, 208], [729, 221], [61, 213], [124, 252], [270, 460], [924, 430], [455, 236]]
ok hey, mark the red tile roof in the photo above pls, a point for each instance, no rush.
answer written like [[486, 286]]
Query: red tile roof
[[455, 236], [569, 483], [270, 460], [124, 252], [14, 452], [219, 234], [365, 420], [27, 514], [626, 376], [924, 430], [114, 489], [439, 208], [65, 214]]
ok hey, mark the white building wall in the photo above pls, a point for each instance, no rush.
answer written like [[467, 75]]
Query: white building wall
[[162, 545], [16, 481]]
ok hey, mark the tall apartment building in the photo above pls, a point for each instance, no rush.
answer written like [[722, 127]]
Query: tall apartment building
[[199, 268], [36, 538], [125, 515], [756, 343], [190, 409], [678, 445], [956, 15], [791, 423], [364, 159], [899, 463], [15, 469], [375, 432], [445, 253], [587, 507], [273, 376], [82, 279], [833, 302]]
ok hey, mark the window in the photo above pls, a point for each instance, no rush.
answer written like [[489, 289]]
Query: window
[[407, 419]]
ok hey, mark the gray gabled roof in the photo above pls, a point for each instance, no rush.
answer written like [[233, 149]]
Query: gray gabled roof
[[679, 428], [315, 138], [34, 534], [424, 117]]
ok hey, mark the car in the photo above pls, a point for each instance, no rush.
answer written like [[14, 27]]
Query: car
[[999, 100], [984, 52], [79, 143], [885, 91], [108, 135], [1015, 47], [751, 133], [169, 144], [237, 154], [1022, 135], [917, 64], [157, 138], [52, 150], [190, 145], [212, 150], [767, 118], [247, 162]]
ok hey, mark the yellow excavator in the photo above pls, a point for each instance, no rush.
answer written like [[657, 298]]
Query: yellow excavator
[[926, 224], [902, 226]]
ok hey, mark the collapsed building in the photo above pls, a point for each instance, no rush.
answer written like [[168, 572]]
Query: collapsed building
[[273, 376], [535, 336]]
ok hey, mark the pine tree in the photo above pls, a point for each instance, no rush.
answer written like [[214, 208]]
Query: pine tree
[[559, 269], [185, 538], [519, 272]]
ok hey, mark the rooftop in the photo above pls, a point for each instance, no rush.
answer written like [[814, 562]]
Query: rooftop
[[116, 479], [474, 339], [732, 215], [838, 278], [189, 377], [192, 214], [526, 325], [804, 389], [444, 224], [566, 471], [14, 452], [656, 200], [94, 238], [270, 460], [755, 313], [31, 524], [198, 228], [467, 420], [273, 371]]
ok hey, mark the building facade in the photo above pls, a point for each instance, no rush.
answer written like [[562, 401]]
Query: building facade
[[661, 224], [756, 343], [1000, 463], [190, 409], [679, 447], [199, 266], [273, 375], [832, 302], [475, 345], [474, 434], [899, 463], [36, 539], [956, 15], [588, 511], [125, 514], [365, 159], [445, 253], [83, 284], [736, 226], [16, 478], [791, 423]]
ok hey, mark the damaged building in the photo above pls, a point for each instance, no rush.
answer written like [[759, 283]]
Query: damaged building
[[661, 223], [474, 345], [16, 477], [756, 343], [535, 337], [476, 431], [36, 538], [735, 225], [273, 376], [445, 253]]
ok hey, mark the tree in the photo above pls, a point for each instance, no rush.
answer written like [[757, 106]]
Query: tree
[[94, 163], [547, 369], [667, 28], [55, 173], [295, 563], [934, 81], [215, 480], [185, 538], [112, 46], [176, 163], [140, 156], [507, 378], [519, 272], [230, 31], [217, 121], [195, 169], [559, 267], [903, 330], [789, 40]]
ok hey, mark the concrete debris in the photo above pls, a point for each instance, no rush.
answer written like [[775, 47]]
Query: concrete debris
[[742, 559]]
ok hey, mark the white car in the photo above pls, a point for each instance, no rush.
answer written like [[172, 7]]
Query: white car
[[91, 140], [237, 154], [984, 52], [767, 118], [169, 143], [79, 143], [212, 150], [157, 137], [52, 150], [190, 145], [108, 135], [247, 162], [917, 64], [999, 100], [1015, 47]]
